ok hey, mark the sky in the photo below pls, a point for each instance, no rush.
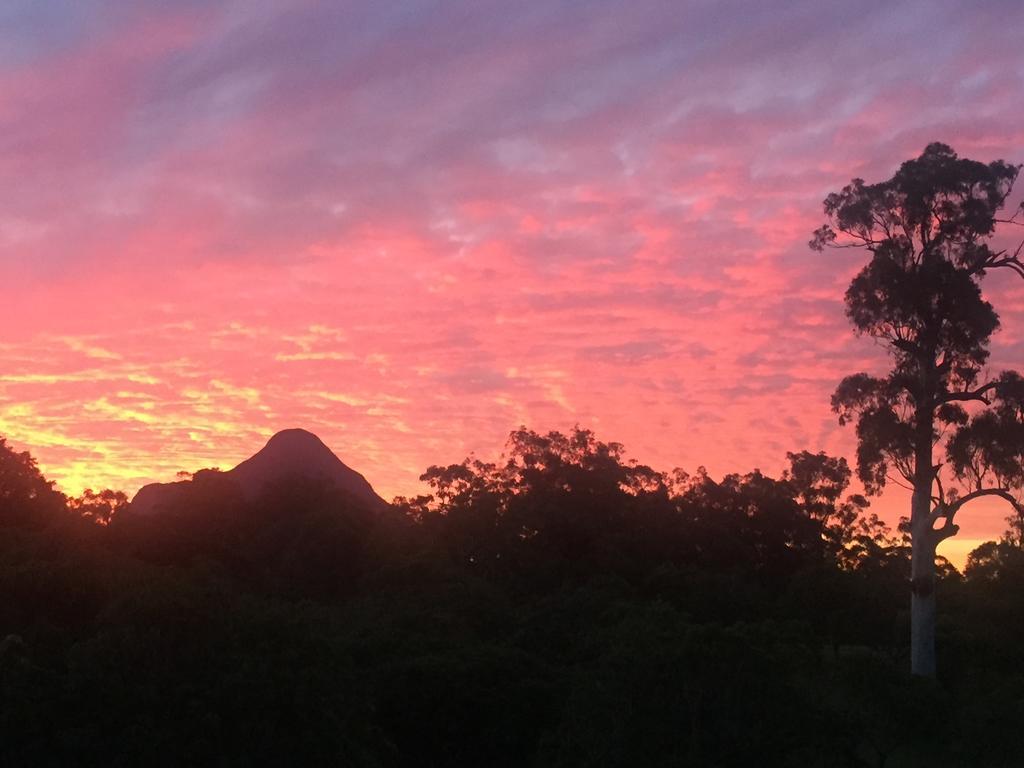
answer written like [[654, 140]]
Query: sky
[[412, 227]]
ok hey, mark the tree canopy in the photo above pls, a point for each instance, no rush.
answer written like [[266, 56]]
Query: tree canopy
[[26, 497]]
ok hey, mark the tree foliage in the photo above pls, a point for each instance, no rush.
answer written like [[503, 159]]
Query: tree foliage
[[927, 229], [26, 497], [99, 506]]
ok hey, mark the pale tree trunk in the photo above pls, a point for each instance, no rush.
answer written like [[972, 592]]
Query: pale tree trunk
[[922, 559], [922, 599]]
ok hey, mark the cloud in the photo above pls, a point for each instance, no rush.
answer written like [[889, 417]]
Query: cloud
[[414, 227]]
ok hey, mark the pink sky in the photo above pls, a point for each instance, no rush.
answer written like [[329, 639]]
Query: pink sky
[[412, 228]]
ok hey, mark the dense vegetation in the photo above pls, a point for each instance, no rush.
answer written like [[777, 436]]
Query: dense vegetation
[[563, 607]]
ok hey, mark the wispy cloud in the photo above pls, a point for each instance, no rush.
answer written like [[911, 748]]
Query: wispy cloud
[[412, 228]]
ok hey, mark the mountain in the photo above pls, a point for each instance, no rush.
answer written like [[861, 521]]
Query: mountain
[[291, 453], [296, 452]]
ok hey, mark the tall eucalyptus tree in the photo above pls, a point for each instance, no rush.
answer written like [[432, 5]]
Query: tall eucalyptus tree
[[932, 232]]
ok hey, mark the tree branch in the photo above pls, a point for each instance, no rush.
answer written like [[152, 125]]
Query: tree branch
[[941, 499], [948, 530], [1002, 493], [1012, 262], [947, 512], [976, 394]]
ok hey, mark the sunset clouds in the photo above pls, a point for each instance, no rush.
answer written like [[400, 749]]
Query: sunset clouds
[[412, 227]]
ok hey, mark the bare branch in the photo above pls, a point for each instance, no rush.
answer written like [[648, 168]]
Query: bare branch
[[892, 479], [1002, 493], [843, 245], [947, 511], [1002, 259], [1012, 219], [948, 530], [976, 394], [954, 507], [941, 499]]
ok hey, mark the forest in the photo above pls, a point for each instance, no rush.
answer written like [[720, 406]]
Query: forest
[[562, 606]]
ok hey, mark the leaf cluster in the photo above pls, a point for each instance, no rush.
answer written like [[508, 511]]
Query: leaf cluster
[[928, 229]]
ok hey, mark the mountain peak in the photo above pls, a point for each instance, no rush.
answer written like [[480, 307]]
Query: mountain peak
[[299, 453], [295, 437], [289, 453]]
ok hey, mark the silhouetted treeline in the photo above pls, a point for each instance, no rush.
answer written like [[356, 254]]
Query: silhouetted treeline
[[562, 607]]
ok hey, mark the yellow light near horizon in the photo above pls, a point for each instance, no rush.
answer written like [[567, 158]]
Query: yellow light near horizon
[[956, 550]]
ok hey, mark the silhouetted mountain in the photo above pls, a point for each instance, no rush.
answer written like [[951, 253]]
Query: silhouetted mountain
[[151, 498], [291, 453]]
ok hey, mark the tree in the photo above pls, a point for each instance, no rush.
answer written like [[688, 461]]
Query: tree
[[26, 497], [99, 506], [930, 231], [553, 497], [818, 482]]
